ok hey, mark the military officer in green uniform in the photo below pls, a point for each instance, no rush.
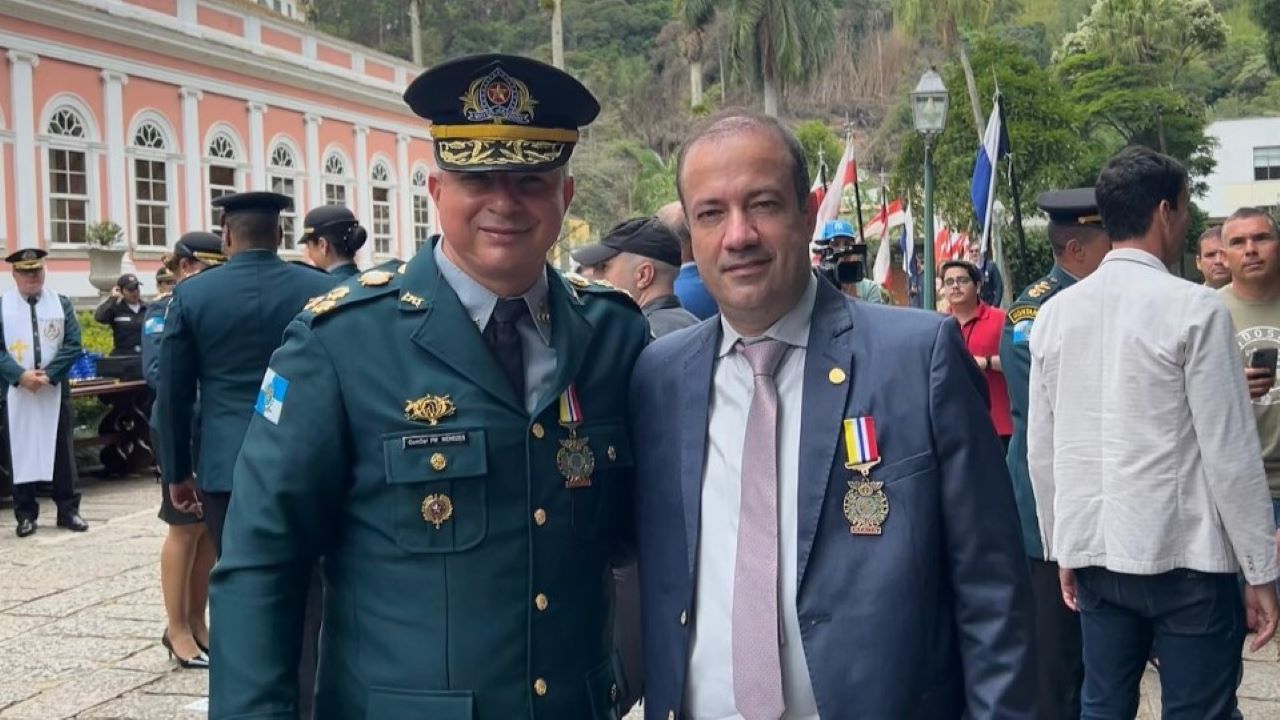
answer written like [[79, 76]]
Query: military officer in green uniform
[[332, 236], [450, 435], [219, 333], [1079, 243]]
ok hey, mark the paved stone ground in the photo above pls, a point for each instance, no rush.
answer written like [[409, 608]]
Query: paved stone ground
[[81, 617]]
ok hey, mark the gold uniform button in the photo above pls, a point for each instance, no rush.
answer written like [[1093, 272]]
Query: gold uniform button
[[439, 462], [540, 602], [540, 687], [684, 617], [540, 517], [537, 430]]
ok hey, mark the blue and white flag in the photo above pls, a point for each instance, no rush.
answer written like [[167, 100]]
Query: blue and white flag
[[271, 396], [995, 145]]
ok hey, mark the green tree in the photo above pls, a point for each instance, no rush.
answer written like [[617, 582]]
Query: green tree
[[924, 18], [776, 42], [821, 145], [1165, 34], [1267, 14]]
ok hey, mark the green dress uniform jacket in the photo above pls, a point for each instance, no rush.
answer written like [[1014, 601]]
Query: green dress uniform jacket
[[57, 368], [152, 332], [1015, 359], [464, 580], [221, 328]]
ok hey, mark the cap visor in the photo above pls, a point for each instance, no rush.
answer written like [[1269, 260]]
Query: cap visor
[[593, 254], [508, 155]]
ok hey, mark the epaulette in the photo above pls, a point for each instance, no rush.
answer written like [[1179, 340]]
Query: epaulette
[[598, 287], [369, 284], [1042, 288]]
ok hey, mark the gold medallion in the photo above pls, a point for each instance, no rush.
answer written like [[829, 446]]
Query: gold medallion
[[429, 409], [866, 507], [576, 461], [374, 278], [437, 509]]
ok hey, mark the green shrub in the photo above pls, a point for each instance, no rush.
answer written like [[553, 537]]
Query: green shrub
[[94, 336]]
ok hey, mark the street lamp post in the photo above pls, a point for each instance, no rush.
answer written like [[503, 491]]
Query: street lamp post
[[929, 113]]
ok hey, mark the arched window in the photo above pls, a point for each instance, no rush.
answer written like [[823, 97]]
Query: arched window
[[69, 190], [151, 172], [222, 157], [382, 190], [336, 180], [421, 209], [283, 177]]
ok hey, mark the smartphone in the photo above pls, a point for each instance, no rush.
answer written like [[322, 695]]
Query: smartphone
[[1264, 359]]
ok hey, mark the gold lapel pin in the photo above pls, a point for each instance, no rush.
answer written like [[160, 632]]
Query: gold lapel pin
[[837, 376]]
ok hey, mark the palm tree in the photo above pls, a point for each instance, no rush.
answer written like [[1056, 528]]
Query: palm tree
[[696, 16], [779, 41], [925, 17]]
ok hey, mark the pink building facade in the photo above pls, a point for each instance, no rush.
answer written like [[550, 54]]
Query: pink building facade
[[143, 111]]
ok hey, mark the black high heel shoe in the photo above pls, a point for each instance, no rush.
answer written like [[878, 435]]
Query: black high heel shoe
[[203, 648], [199, 662]]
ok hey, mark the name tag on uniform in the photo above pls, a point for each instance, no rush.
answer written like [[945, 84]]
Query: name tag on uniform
[[434, 440]]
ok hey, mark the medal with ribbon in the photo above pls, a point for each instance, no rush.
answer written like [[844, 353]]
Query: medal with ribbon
[[575, 459], [866, 507]]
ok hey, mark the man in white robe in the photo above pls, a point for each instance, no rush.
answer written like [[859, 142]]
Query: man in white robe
[[39, 341]]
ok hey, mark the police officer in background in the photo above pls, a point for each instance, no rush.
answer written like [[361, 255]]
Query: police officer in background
[[1079, 243], [124, 312], [450, 435], [219, 333], [332, 235]]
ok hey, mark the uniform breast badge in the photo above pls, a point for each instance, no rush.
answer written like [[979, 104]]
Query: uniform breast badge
[[429, 409], [437, 509], [866, 507], [575, 459]]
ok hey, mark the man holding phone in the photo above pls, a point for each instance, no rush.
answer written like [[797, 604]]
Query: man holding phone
[[1251, 245]]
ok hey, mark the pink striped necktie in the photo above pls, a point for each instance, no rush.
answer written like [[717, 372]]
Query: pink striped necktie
[[757, 658]]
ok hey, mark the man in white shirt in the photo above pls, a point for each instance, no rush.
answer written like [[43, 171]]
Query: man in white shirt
[[825, 520], [1145, 463]]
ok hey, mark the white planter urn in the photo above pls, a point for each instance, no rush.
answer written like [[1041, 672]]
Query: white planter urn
[[104, 266]]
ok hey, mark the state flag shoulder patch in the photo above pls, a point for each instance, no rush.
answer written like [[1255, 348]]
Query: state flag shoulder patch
[[271, 396]]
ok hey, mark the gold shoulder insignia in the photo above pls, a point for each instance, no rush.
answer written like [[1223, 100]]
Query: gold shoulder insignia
[[323, 306], [374, 278], [577, 280]]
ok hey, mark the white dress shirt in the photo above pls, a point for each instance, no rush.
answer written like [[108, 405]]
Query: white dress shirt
[[709, 691], [1141, 442]]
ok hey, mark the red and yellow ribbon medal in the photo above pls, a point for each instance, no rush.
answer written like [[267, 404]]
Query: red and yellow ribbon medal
[[866, 507], [575, 459]]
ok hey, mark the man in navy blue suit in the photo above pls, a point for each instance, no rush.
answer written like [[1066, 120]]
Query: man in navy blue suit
[[826, 526]]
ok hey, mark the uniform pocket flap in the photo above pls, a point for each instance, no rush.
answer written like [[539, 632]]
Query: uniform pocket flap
[[424, 456], [388, 704], [609, 443]]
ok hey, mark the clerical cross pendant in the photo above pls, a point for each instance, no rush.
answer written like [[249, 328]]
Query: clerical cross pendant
[[18, 350]]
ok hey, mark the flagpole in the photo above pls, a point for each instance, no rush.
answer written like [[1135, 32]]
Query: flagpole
[[857, 191], [1017, 205]]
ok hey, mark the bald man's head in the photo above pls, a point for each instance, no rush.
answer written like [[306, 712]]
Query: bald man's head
[[672, 215]]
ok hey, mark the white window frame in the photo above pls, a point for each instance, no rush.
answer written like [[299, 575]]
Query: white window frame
[[1272, 152], [168, 155], [330, 179], [293, 173], [381, 179], [236, 163], [421, 199], [88, 144]]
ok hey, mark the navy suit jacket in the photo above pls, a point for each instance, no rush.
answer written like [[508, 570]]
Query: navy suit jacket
[[929, 620]]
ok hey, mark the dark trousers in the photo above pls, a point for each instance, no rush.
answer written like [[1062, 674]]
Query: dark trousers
[[1059, 665], [215, 515], [65, 478], [1193, 621], [626, 633]]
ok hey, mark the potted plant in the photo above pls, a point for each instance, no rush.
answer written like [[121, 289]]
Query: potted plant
[[106, 252]]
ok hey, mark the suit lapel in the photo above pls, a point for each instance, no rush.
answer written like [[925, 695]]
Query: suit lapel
[[830, 347], [448, 333], [695, 400]]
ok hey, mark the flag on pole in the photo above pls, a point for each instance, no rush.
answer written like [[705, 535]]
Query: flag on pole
[[908, 240], [829, 207], [995, 145], [891, 215]]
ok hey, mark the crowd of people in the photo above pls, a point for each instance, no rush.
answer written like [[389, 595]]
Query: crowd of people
[[698, 471]]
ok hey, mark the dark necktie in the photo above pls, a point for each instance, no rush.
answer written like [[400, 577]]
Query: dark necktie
[[504, 340], [35, 330]]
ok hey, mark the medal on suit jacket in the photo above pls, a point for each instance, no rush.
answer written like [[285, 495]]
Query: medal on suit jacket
[[866, 507], [575, 459]]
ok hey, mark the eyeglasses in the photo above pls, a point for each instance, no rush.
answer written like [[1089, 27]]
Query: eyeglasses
[[957, 281]]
